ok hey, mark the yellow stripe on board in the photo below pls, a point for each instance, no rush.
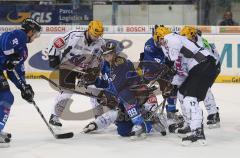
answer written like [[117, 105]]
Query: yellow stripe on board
[[54, 75], [220, 79]]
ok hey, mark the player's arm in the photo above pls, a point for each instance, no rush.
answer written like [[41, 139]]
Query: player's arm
[[21, 72], [27, 93], [172, 47], [10, 58], [58, 48]]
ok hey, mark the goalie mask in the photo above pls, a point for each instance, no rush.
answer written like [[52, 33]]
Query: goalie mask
[[109, 47]]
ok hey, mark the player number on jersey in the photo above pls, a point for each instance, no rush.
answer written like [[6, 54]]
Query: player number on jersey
[[15, 41]]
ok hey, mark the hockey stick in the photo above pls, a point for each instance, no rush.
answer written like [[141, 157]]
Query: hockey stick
[[57, 136], [67, 89]]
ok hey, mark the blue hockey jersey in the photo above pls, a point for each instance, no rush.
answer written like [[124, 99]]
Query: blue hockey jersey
[[14, 43]]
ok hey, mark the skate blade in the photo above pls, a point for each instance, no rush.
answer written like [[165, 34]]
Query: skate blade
[[213, 126], [138, 137], [181, 135], [200, 142], [4, 145]]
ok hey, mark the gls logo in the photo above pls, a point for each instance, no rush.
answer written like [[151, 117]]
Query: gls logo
[[41, 17], [40, 59]]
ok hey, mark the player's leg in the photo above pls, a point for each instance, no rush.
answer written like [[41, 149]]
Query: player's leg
[[66, 79], [186, 125], [213, 119], [60, 102], [193, 112], [102, 121], [97, 107], [6, 101]]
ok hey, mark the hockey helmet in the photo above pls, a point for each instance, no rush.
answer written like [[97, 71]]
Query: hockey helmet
[[95, 28], [160, 32], [30, 24], [109, 47], [189, 31]]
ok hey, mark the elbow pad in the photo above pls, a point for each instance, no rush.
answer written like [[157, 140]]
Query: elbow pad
[[54, 61]]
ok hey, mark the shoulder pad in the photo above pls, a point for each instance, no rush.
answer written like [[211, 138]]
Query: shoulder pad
[[119, 60], [59, 43]]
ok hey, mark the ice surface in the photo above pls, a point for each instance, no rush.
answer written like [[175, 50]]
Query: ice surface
[[31, 138]]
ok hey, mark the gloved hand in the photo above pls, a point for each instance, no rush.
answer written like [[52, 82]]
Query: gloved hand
[[12, 62], [27, 93], [169, 90], [107, 99]]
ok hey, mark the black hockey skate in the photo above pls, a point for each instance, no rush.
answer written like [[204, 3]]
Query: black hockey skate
[[54, 121], [184, 130], [213, 121], [6, 135], [92, 126], [176, 121], [4, 140], [195, 136]]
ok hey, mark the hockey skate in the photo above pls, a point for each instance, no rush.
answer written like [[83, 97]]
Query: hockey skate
[[184, 130], [5, 139], [54, 121], [92, 126], [175, 121], [213, 121], [195, 136]]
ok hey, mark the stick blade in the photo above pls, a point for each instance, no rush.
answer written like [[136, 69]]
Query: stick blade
[[64, 136]]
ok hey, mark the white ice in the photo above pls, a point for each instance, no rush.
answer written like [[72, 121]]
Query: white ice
[[31, 138]]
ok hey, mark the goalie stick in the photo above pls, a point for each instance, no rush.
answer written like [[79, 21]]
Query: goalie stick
[[57, 136]]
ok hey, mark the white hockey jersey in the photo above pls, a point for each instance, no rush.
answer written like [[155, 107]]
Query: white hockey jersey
[[74, 44], [185, 55]]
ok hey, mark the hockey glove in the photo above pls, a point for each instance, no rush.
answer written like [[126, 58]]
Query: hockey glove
[[169, 90], [107, 99], [27, 93], [12, 62]]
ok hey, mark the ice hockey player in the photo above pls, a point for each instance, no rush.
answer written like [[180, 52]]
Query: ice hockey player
[[120, 117], [13, 53], [79, 49], [149, 61], [202, 72], [194, 35]]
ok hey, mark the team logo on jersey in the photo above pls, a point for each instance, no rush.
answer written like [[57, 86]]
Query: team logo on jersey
[[59, 43]]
